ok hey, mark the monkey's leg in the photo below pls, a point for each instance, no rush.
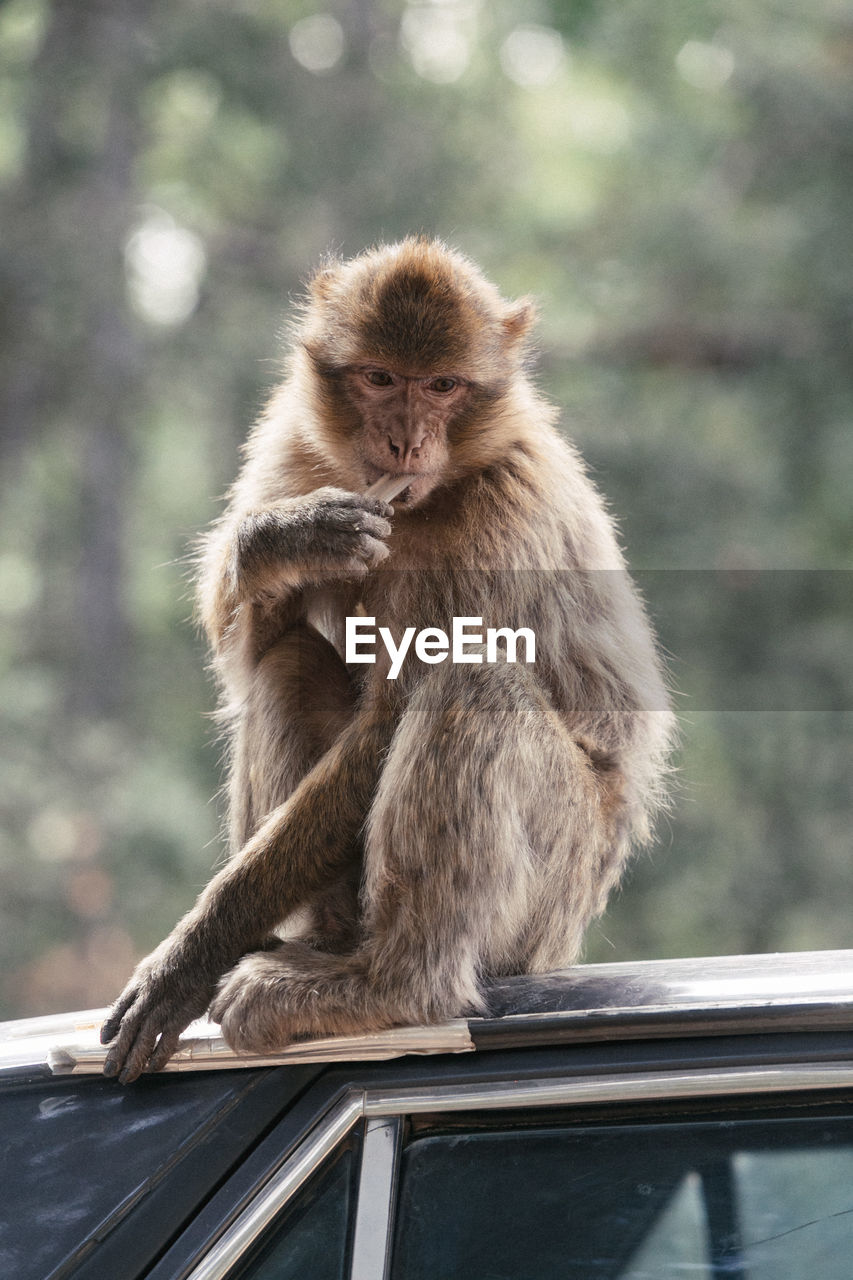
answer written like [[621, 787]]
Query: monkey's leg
[[485, 853]]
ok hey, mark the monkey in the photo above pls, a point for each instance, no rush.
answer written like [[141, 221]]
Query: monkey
[[397, 842]]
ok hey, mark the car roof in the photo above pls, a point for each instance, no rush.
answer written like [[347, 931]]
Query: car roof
[[716, 995]]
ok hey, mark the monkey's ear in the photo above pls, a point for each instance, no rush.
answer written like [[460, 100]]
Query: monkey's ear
[[519, 318], [320, 284]]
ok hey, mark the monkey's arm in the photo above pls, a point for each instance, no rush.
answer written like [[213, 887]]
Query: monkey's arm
[[299, 849], [257, 562]]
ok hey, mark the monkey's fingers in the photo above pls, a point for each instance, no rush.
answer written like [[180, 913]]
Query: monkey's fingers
[[134, 1045], [374, 525], [168, 1043], [372, 550], [377, 505], [368, 501], [112, 1022], [368, 554]]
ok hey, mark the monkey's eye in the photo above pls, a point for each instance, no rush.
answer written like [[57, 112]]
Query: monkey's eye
[[442, 385], [378, 378]]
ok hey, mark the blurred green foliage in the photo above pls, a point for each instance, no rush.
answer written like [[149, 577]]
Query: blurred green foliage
[[671, 181]]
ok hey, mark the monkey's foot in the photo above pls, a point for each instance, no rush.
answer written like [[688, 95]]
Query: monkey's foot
[[250, 1005], [270, 999]]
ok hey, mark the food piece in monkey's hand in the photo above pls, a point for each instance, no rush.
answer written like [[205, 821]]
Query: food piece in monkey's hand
[[388, 487], [402, 821]]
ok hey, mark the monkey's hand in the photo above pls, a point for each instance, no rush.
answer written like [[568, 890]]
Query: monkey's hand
[[166, 993], [324, 534]]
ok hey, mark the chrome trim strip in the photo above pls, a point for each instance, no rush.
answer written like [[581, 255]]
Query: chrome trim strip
[[275, 1193], [80, 1051], [622, 1087], [374, 1215]]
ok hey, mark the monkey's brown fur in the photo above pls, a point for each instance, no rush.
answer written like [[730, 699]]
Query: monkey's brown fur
[[461, 821]]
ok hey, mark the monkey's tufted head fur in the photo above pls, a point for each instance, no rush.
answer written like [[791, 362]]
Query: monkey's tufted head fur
[[415, 306]]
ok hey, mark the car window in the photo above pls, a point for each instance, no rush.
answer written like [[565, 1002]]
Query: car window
[[309, 1242], [768, 1199]]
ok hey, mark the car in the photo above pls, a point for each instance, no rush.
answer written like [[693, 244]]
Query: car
[[668, 1118]]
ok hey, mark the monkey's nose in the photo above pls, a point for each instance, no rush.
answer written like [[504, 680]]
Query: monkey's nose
[[406, 452]]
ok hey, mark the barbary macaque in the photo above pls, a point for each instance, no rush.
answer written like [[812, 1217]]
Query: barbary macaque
[[396, 842]]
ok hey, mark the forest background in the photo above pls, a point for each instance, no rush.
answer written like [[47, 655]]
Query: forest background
[[671, 180]]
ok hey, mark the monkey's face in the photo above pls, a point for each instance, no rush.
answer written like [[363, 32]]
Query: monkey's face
[[412, 351], [405, 420]]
